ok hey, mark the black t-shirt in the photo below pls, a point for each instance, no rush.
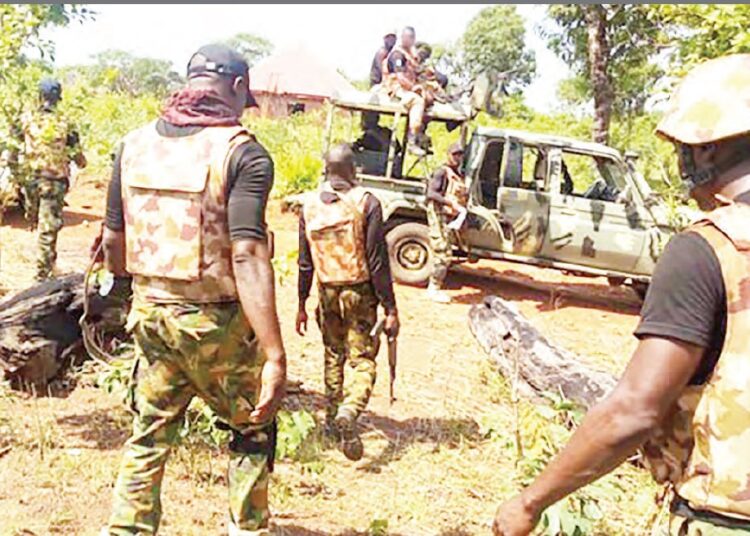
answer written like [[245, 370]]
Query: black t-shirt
[[376, 69], [687, 300], [249, 181]]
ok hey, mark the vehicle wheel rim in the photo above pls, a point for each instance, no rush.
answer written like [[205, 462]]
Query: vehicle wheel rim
[[412, 255]]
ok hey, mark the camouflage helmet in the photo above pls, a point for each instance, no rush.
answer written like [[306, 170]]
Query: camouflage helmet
[[711, 103]]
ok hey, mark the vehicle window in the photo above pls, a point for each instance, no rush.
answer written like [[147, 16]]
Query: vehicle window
[[592, 177], [526, 167], [489, 173]]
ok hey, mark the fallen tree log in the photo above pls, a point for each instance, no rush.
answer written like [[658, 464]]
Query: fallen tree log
[[39, 330], [528, 359]]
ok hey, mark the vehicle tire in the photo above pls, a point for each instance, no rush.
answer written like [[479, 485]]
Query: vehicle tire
[[410, 253]]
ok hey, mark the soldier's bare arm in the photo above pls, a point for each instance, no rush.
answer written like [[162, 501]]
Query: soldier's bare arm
[[306, 272], [254, 277], [74, 143], [113, 230], [656, 375], [113, 244], [379, 263]]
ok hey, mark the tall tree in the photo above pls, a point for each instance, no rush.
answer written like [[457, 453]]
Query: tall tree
[[703, 31], [612, 50], [253, 47], [124, 72], [494, 43]]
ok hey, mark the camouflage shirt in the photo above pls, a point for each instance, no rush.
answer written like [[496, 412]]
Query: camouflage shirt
[[49, 143]]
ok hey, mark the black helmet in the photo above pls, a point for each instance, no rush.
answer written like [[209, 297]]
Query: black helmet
[[50, 90]]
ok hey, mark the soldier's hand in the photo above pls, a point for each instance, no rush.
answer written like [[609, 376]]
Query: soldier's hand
[[513, 518], [301, 323], [392, 325], [272, 388], [95, 253]]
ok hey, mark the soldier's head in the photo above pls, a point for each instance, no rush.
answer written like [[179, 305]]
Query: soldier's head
[[340, 163], [224, 70], [389, 40], [424, 51], [455, 155], [408, 37], [50, 92], [708, 121]]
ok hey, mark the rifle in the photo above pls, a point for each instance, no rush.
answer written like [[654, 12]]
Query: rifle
[[377, 330]]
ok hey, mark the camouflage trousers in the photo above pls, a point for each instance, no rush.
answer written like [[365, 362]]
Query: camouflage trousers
[[45, 201], [187, 350], [441, 244], [681, 526], [346, 315]]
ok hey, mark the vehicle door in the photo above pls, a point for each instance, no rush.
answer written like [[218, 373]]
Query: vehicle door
[[483, 162], [523, 197], [596, 217]]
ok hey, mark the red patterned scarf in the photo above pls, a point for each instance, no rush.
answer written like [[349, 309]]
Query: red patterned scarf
[[199, 107]]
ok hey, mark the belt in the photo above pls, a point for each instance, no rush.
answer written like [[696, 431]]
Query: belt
[[680, 507]]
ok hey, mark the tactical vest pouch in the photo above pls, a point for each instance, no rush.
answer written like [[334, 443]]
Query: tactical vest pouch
[[165, 208]]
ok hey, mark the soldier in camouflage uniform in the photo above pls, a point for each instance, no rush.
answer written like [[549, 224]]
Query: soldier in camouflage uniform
[[49, 146], [447, 196], [685, 396], [342, 240], [186, 219]]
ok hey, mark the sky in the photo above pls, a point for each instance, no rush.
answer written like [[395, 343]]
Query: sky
[[345, 36]]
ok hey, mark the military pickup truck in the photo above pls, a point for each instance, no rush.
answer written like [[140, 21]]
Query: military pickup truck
[[536, 199]]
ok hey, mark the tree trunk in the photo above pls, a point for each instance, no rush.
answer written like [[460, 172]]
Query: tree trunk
[[598, 52], [39, 330], [527, 358]]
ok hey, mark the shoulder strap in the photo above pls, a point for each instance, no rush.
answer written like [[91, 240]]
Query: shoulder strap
[[733, 221]]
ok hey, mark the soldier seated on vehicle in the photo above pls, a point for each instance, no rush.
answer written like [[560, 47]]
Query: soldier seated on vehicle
[[432, 83], [400, 82]]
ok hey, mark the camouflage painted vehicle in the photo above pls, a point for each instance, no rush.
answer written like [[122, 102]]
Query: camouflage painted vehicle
[[544, 200]]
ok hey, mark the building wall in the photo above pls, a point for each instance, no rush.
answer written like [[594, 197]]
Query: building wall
[[272, 105]]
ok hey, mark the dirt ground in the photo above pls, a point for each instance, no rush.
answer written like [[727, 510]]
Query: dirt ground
[[428, 467]]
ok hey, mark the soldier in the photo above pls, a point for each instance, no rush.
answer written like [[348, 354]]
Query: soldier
[[686, 391], [400, 82], [447, 197], [186, 219], [376, 69], [50, 144], [342, 240]]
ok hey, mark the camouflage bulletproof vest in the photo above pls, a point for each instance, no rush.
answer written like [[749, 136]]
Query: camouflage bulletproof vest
[[176, 232], [456, 190], [704, 445], [336, 234], [46, 144]]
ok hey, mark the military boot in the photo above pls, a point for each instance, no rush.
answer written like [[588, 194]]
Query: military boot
[[330, 429], [351, 444], [437, 295]]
